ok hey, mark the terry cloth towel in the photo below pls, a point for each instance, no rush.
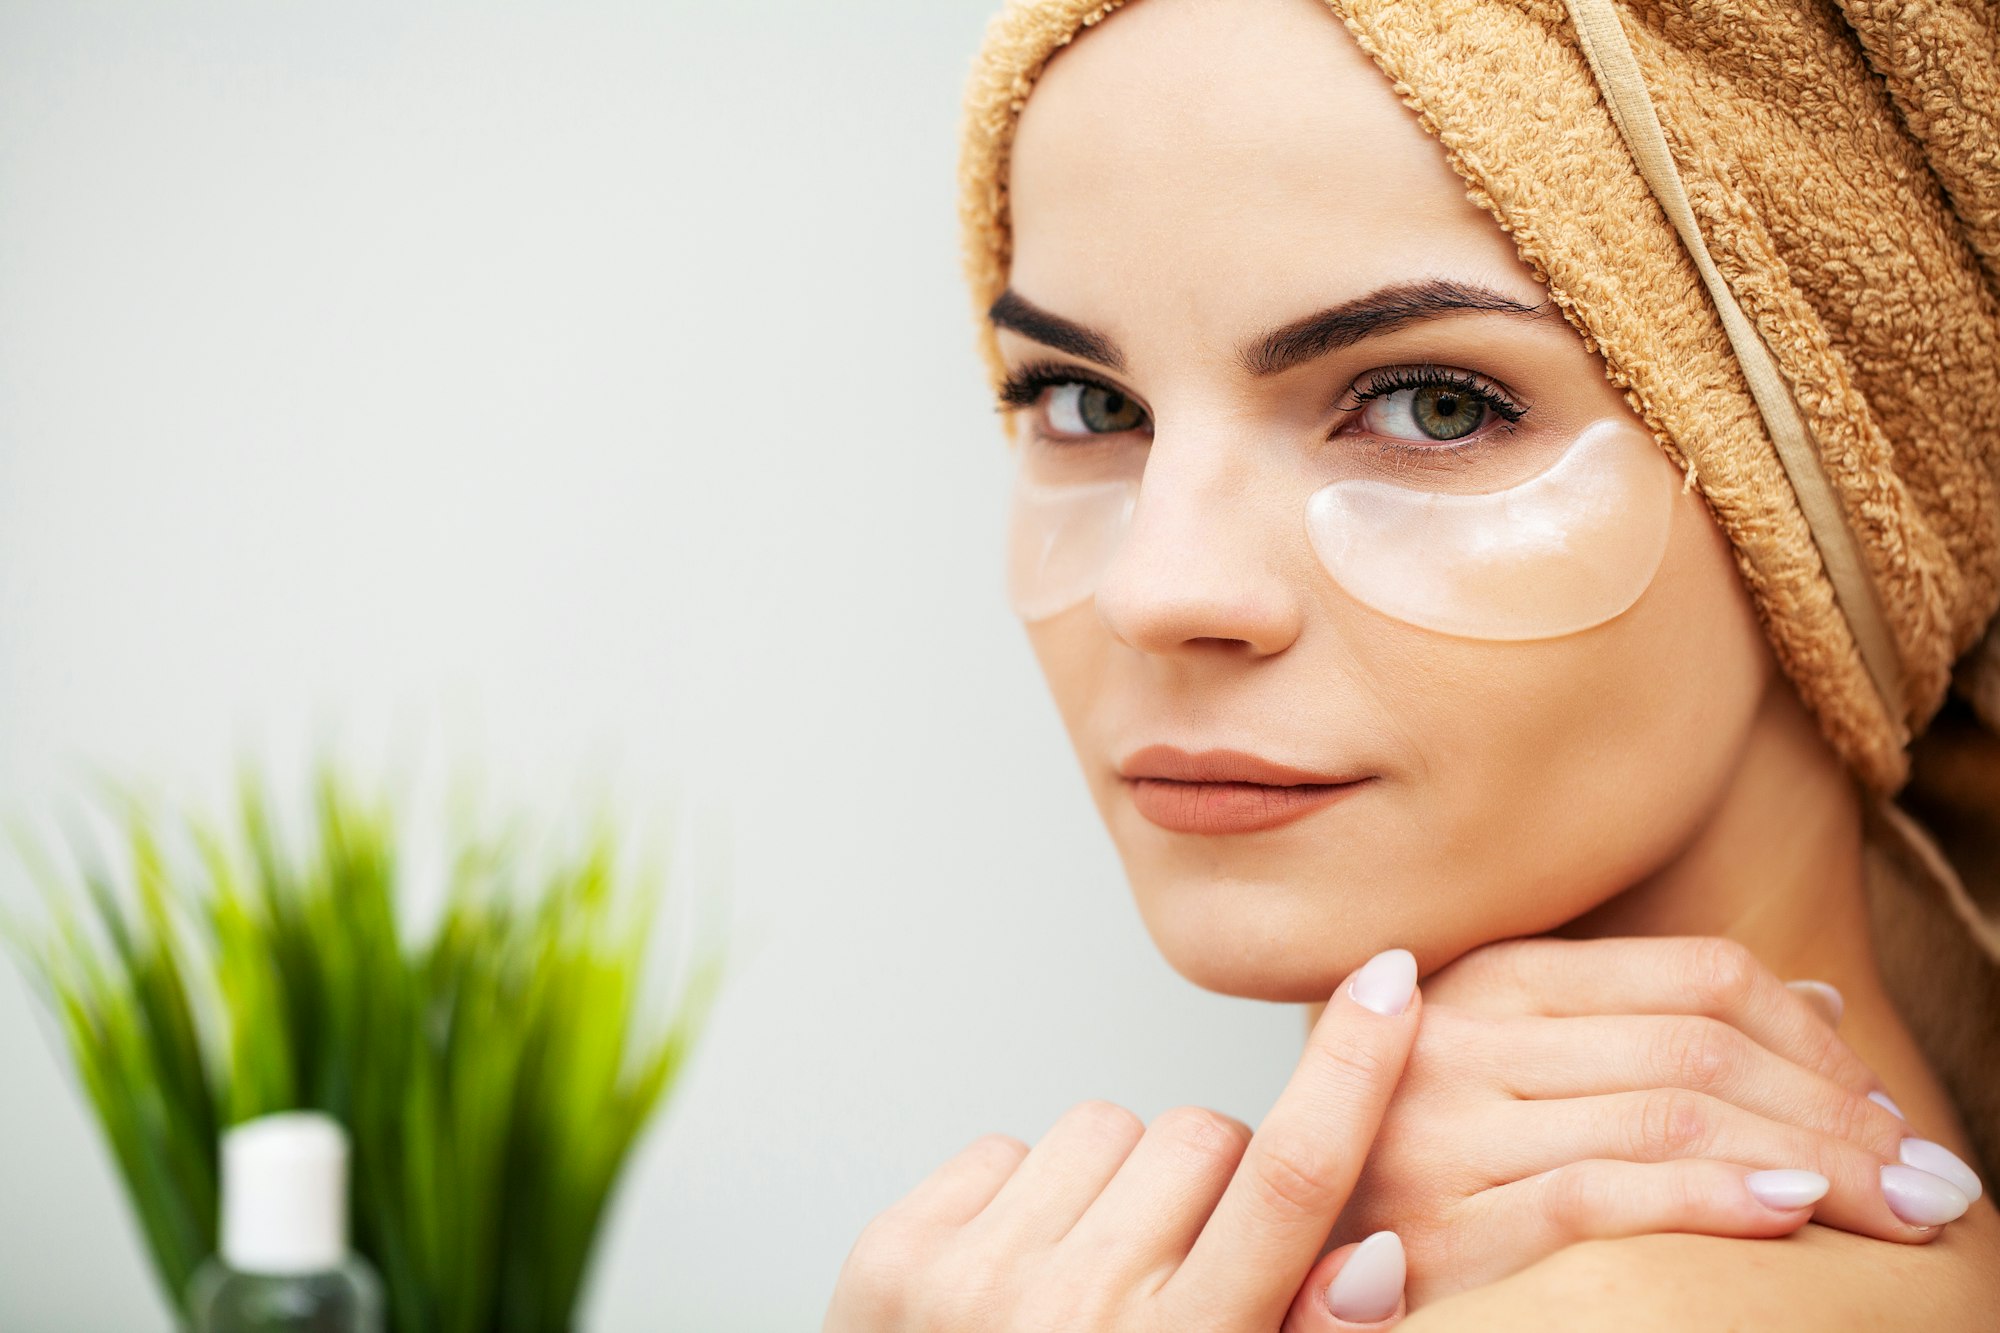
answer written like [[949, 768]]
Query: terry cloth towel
[[1779, 223]]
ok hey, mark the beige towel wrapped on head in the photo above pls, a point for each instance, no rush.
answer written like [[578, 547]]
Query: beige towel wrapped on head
[[1779, 223]]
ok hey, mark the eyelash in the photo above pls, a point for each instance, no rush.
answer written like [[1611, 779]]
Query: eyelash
[[1385, 382], [1024, 387]]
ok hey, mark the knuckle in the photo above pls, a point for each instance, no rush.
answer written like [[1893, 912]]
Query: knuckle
[[889, 1238], [996, 1151], [1599, 1197], [881, 1268], [1701, 1053], [1202, 1136], [1672, 1123], [1573, 1195], [1721, 974], [1291, 1183], [1104, 1121], [1828, 1053], [1855, 1119], [1847, 1118], [1682, 1194], [1351, 1064]]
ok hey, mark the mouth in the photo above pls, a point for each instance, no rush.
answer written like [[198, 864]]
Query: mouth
[[1226, 791]]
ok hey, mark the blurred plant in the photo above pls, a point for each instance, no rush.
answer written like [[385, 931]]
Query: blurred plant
[[492, 1076]]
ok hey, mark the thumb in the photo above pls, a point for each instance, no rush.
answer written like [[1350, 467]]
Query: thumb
[[1357, 1287]]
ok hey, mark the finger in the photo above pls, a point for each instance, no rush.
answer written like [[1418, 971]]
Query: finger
[[1824, 998], [1584, 1057], [1057, 1180], [1302, 1162], [1599, 1199], [1358, 1286], [1147, 1218], [1703, 975], [1868, 1194], [954, 1193]]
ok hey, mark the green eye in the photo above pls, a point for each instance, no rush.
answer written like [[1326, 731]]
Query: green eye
[[1445, 413], [1076, 408], [1430, 406]]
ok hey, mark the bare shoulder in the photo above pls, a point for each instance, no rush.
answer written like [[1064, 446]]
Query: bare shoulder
[[1818, 1279]]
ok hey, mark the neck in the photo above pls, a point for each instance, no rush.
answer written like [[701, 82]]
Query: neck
[[1777, 865]]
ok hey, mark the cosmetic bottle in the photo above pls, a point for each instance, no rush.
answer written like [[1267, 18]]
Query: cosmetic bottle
[[284, 1265]]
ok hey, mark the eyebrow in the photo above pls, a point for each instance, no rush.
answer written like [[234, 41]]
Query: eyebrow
[[1015, 311], [1381, 310], [1295, 343]]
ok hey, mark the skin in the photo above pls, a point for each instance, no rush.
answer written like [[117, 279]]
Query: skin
[[1188, 177]]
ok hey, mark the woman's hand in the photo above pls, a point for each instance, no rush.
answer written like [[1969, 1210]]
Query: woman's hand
[[1564, 1090], [1109, 1225]]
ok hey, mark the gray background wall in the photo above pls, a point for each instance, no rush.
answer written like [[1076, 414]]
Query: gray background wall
[[584, 391]]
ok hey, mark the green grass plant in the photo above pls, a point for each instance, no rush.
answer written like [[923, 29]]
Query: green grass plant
[[494, 1070]]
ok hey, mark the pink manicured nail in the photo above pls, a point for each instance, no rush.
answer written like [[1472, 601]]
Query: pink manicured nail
[[1787, 1190], [1922, 1199], [1881, 1099], [1385, 984], [1943, 1163], [1821, 996], [1369, 1285]]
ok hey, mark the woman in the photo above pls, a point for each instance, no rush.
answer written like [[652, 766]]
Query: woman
[[1553, 526]]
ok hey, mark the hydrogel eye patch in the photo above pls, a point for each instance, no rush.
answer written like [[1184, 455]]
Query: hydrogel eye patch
[[1519, 540], [1559, 552], [1060, 539]]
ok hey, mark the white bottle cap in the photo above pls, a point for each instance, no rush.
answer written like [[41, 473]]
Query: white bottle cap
[[284, 1194]]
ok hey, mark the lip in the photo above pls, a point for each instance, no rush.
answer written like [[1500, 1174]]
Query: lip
[[1226, 791]]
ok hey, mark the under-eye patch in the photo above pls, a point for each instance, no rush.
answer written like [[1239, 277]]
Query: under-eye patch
[[1512, 537]]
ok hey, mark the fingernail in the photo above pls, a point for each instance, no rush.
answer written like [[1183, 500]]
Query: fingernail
[[1786, 1190], [1920, 1198], [1385, 983], [1942, 1162], [1369, 1285], [1881, 1099], [1822, 997]]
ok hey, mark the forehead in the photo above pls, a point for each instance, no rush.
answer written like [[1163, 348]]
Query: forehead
[[1228, 163]]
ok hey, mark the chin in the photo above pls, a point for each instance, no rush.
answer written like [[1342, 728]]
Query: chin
[[1261, 939], [1291, 936]]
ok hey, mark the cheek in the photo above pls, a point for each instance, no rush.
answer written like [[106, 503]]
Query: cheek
[[1076, 656], [1071, 648], [1552, 774]]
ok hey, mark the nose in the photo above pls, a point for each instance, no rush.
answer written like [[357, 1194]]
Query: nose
[[1203, 561]]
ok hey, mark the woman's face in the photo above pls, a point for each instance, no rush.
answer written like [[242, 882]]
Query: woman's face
[[1187, 178]]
